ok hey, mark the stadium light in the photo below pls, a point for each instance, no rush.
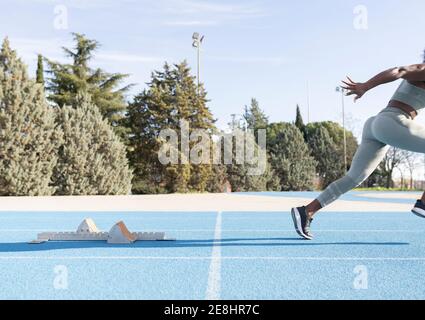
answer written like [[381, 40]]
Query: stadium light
[[197, 43]]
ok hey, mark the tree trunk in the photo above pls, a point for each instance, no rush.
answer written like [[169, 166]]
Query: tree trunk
[[389, 179]]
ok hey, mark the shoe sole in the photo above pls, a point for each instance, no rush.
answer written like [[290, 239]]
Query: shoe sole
[[296, 218], [418, 212]]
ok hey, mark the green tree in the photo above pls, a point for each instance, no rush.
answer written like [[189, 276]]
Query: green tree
[[330, 165], [238, 174], [376, 179], [66, 81], [290, 157], [336, 132], [255, 117], [172, 96], [92, 159], [218, 179], [242, 176], [28, 135], [241, 181], [299, 122], [40, 70], [392, 160]]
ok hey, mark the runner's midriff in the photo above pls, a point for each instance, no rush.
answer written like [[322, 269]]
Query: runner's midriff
[[403, 107]]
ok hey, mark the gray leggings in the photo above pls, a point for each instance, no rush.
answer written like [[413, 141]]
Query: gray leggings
[[391, 127]]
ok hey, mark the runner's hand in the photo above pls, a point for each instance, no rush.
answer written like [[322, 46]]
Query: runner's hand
[[354, 88]]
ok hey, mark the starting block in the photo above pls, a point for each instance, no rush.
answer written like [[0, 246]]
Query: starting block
[[88, 231]]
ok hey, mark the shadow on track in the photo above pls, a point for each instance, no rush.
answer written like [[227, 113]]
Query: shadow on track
[[230, 242]]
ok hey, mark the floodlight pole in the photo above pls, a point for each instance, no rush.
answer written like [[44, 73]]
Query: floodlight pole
[[308, 101], [340, 89], [199, 65], [197, 43]]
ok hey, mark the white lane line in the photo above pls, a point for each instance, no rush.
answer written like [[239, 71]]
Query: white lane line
[[214, 274], [214, 279], [244, 230]]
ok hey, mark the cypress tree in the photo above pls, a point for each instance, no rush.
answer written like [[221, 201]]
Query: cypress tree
[[40, 70], [299, 122], [92, 159], [28, 136]]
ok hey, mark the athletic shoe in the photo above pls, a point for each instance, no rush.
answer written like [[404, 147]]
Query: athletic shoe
[[419, 209], [302, 222]]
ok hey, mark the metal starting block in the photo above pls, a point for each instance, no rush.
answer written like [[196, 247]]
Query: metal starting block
[[88, 231]]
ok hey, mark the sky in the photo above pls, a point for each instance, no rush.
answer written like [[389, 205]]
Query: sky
[[268, 50]]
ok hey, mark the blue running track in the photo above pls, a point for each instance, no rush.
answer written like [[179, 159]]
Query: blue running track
[[238, 255]]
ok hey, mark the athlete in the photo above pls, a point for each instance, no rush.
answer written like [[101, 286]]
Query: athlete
[[393, 126]]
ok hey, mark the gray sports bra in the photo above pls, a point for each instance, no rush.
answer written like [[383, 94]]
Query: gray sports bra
[[411, 95]]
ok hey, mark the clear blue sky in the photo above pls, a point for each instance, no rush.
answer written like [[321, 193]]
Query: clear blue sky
[[263, 49]]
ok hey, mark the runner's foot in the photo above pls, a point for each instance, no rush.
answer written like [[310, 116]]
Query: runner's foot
[[419, 209], [302, 222]]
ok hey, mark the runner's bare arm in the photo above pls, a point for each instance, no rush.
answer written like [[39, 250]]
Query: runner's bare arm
[[414, 72]]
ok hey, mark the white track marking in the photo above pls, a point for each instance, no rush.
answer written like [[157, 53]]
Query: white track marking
[[182, 258], [214, 274], [245, 230]]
